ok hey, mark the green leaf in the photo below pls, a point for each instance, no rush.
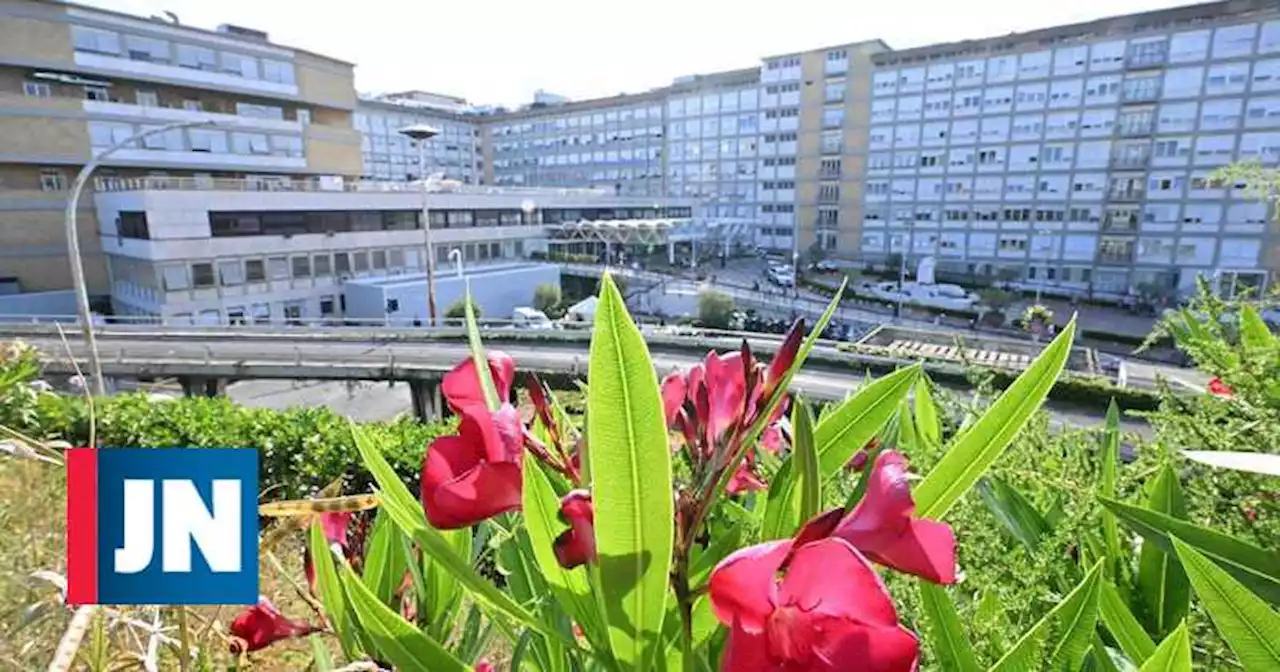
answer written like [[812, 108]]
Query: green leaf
[[907, 441], [1072, 621], [1257, 568], [1123, 625], [332, 597], [950, 644], [572, 589], [857, 419], [631, 467], [1253, 331], [384, 559], [1251, 628], [1257, 463], [1014, 512], [395, 639], [321, 659], [407, 513], [1174, 653], [1116, 556], [795, 491], [704, 560], [1161, 583], [478, 356], [928, 427], [978, 447]]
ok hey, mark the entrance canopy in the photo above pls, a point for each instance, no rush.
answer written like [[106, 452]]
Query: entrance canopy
[[656, 231]]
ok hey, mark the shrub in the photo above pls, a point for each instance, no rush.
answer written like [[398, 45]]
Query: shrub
[[715, 309], [546, 297], [458, 309]]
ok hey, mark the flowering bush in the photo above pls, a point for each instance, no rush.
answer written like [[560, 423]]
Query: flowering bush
[[683, 527]]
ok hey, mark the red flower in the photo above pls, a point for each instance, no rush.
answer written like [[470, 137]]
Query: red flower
[[883, 528], [674, 387], [262, 624], [576, 545], [771, 439], [859, 460], [1221, 389], [476, 474], [483, 665], [744, 480], [334, 526], [829, 611], [461, 386]]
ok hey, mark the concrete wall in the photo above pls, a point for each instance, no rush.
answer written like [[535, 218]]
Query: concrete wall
[[497, 292], [14, 306]]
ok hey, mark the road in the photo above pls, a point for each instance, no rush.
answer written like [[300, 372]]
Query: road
[[215, 355]]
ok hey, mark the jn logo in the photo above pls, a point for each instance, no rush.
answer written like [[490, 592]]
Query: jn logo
[[162, 526]]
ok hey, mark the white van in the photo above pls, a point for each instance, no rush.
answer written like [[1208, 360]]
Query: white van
[[530, 318]]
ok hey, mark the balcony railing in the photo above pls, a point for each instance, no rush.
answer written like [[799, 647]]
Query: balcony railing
[[307, 185], [1144, 92], [1135, 128], [1146, 59], [1122, 224], [1123, 195], [1108, 257], [1129, 161], [829, 174]]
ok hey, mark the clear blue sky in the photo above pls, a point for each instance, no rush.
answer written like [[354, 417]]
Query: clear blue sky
[[500, 51]]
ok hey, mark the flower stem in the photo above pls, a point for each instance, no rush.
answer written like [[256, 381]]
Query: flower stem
[[184, 646]]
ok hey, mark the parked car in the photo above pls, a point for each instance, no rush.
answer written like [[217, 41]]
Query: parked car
[[530, 318], [782, 276]]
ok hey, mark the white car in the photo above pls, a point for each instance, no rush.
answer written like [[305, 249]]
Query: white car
[[530, 318], [782, 276]]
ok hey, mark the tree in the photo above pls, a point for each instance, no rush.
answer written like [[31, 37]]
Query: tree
[[457, 310], [715, 309], [546, 297], [995, 299]]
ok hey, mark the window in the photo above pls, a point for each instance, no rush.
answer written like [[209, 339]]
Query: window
[[203, 140], [238, 64], [230, 273], [279, 72], [249, 143], [259, 111], [174, 277], [379, 259], [302, 267], [200, 58], [833, 92], [341, 263], [192, 105], [133, 225], [98, 93], [202, 275], [139, 48], [322, 265], [254, 270], [37, 89], [52, 180], [278, 268]]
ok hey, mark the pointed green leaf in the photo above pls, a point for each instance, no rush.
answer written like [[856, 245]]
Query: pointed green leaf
[[321, 659], [541, 518], [857, 419], [1266, 464], [1014, 511], [384, 559], [1123, 625], [1173, 654], [1072, 623], [478, 355], [978, 447], [1257, 568], [631, 467], [407, 513], [1251, 628], [705, 560], [1102, 658], [794, 493], [332, 597], [1161, 583], [950, 643], [1253, 331], [928, 427], [908, 439], [1116, 556], [395, 639]]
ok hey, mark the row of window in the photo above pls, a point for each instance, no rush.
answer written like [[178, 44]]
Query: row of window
[[212, 141], [154, 50], [231, 273], [626, 115], [1184, 47], [1089, 186], [1115, 217]]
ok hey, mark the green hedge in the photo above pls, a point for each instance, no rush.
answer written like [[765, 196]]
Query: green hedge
[[299, 450]]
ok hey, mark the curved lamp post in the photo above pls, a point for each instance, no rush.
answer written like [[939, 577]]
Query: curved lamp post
[[73, 240], [456, 255], [421, 133]]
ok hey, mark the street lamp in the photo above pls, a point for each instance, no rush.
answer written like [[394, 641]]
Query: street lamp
[[73, 239], [456, 255], [420, 133]]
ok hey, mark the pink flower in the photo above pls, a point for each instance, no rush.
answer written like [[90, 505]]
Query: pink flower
[[771, 439], [744, 480], [674, 387], [576, 545], [262, 624], [483, 665], [883, 527], [859, 460], [1219, 388], [461, 386], [477, 473], [829, 611], [334, 526]]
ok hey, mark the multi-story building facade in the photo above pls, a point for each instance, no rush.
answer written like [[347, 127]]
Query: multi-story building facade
[[75, 81], [1080, 158], [389, 155]]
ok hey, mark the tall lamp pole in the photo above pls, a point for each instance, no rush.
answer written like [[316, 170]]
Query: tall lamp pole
[[73, 241], [421, 133]]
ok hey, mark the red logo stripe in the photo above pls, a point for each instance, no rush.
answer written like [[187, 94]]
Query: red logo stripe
[[82, 525]]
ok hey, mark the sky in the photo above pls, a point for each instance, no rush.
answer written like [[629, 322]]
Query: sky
[[500, 51]]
